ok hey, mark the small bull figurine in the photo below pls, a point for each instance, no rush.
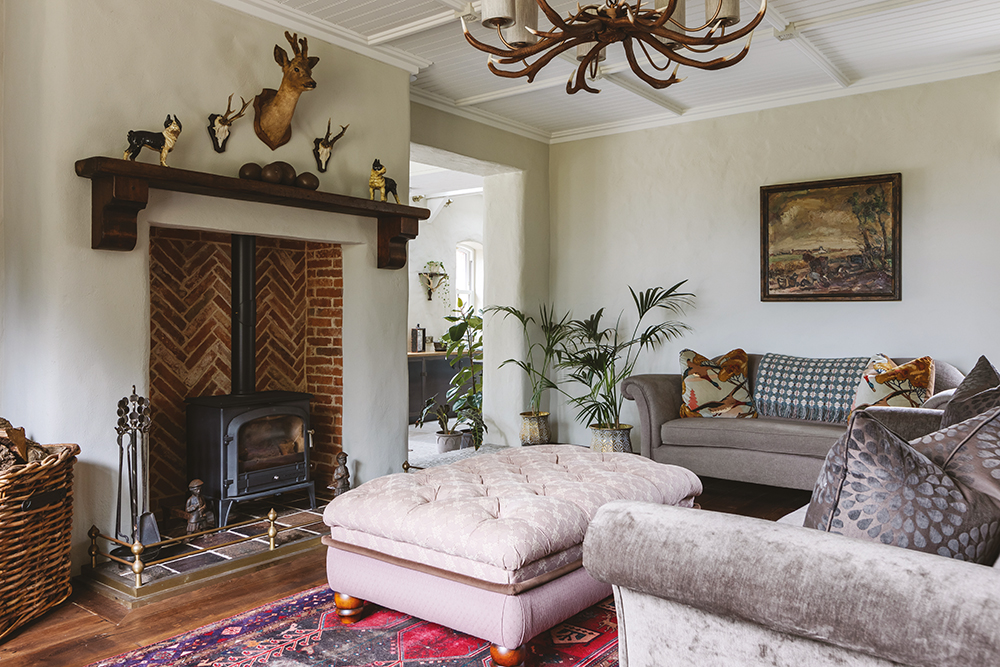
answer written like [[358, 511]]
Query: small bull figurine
[[157, 141], [273, 109], [219, 124]]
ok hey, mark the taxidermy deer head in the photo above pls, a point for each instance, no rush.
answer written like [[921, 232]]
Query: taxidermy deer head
[[323, 146], [273, 109], [218, 124]]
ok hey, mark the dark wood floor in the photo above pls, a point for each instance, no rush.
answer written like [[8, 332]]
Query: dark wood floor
[[88, 627]]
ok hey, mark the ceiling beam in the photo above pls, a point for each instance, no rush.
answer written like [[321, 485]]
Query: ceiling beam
[[644, 92], [785, 31], [856, 12]]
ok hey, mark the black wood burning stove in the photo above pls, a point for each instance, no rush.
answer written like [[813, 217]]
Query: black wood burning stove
[[248, 444]]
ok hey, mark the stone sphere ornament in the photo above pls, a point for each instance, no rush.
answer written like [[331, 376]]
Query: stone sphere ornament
[[272, 173], [307, 180], [250, 171]]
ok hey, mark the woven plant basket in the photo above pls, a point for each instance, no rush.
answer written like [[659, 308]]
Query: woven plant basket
[[36, 519]]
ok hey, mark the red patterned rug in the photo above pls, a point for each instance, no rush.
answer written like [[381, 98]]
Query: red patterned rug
[[304, 630]]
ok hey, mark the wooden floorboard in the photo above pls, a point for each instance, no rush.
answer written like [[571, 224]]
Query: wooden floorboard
[[90, 627]]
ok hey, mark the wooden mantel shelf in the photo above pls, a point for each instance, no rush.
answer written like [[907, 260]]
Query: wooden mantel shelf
[[120, 189]]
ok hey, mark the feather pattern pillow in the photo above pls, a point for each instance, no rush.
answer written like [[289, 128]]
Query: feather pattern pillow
[[715, 387]]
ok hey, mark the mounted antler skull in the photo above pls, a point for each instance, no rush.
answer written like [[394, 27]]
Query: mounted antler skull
[[219, 124], [323, 146], [273, 109]]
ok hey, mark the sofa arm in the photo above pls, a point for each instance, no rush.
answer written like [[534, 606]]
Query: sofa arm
[[896, 604], [658, 398], [907, 423]]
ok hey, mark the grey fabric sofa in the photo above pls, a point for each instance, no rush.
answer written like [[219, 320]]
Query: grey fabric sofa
[[779, 452], [710, 589]]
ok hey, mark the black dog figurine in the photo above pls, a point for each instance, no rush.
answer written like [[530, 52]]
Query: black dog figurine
[[379, 181], [157, 141]]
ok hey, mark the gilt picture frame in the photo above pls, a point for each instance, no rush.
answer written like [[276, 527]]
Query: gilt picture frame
[[832, 240]]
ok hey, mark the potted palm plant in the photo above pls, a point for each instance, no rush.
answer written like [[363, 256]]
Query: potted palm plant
[[599, 357], [449, 437], [464, 344], [538, 363]]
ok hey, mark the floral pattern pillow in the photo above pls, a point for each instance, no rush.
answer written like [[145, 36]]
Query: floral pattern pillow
[[715, 387], [904, 386]]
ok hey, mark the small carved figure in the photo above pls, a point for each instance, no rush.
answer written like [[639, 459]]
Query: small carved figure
[[219, 124], [273, 109], [341, 476], [323, 146], [157, 141], [199, 516], [379, 181]]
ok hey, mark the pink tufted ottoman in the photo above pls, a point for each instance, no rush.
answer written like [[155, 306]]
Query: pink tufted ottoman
[[490, 546]]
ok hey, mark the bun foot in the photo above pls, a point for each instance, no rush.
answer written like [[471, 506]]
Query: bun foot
[[348, 609], [508, 657]]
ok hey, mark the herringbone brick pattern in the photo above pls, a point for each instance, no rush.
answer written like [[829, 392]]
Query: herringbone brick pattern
[[299, 288]]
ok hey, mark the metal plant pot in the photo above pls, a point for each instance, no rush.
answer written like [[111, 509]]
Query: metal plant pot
[[535, 428], [447, 442], [611, 439]]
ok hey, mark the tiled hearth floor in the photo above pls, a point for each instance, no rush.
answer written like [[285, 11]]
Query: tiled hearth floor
[[300, 528]]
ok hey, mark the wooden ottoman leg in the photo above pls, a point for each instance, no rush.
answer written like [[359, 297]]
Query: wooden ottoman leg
[[349, 609], [508, 657]]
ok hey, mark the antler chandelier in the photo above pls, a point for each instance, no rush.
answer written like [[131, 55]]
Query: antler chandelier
[[659, 30]]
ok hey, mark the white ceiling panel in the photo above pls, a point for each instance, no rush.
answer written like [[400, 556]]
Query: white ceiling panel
[[831, 47]]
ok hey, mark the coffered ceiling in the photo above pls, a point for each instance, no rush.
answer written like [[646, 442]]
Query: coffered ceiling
[[804, 50]]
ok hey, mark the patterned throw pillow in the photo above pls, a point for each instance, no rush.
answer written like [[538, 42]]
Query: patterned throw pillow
[[977, 393], [875, 486], [968, 451], [715, 387], [803, 388], [885, 383]]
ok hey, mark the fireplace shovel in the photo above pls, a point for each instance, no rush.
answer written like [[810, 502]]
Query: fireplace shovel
[[133, 421]]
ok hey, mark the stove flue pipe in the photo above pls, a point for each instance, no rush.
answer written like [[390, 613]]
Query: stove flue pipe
[[244, 306]]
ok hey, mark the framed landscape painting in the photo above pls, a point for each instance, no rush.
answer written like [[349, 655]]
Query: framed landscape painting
[[835, 240]]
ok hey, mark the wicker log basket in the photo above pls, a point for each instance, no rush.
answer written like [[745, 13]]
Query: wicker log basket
[[36, 518]]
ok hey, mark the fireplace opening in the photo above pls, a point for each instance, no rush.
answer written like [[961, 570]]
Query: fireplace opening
[[277, 382]]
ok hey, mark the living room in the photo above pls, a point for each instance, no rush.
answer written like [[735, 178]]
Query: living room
[[573, 223]]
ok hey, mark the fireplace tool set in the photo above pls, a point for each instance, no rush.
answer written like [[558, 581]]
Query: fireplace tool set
[[133, 462]]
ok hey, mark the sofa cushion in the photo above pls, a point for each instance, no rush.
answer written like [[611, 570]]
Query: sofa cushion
[[968, 451], [715, 387], [806, 388], [782, 436], [964, 403], [875, 486], [906, 385]]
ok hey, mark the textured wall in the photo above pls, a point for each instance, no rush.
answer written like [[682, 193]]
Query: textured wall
[[82, 336], [657, 206]]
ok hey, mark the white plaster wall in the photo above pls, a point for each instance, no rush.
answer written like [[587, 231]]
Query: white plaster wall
[[77, 335], [657, 206], [461, 221], [516, 243]]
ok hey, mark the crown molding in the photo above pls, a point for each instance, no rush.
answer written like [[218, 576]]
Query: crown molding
[[328, 32], [442, 103], [970, 67]]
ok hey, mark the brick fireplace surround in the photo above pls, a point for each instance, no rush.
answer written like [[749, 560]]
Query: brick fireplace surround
[[299, 347]]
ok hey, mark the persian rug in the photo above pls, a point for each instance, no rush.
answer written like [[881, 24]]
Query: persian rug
[[304, 629]]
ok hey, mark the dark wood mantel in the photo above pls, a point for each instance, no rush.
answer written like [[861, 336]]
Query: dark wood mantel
[[120, 189]]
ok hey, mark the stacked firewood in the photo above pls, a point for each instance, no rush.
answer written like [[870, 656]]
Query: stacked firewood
[[15, 448]]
